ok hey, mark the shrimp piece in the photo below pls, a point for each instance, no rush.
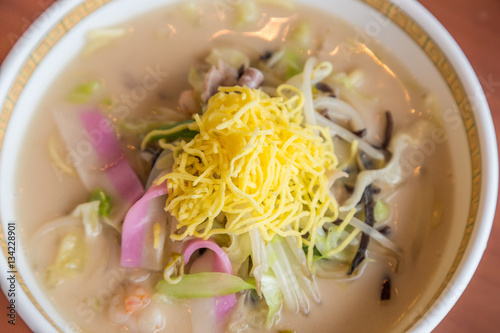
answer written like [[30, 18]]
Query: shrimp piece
[[140, 299], [126, 303]]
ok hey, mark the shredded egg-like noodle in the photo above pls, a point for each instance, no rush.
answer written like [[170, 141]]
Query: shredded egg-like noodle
[[257, 164]]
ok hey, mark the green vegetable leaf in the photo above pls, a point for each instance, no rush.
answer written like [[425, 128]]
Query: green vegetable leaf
[[301, 35], [195, 80], [71, 259], [202, 285], [183, 133], [84, 92], [246, 13], [381, 211], [89, 213], [105, 201], [272, 294]]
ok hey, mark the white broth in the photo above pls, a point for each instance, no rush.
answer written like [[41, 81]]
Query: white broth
[[146, 70]]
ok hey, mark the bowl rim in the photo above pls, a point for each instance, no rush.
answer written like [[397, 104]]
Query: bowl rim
[[478, 229], [470, 252]]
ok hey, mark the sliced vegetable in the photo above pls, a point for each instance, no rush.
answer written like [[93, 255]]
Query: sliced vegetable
[[239, 250], [337, 240], [100, 38], [104, 201], [161, 166], [351, 82], [71, 259], [84, 92], [191, 12], [184, 129], [174, 272], [204, 285], [230, 56], [140, 127], [381, 211], [369, 205], [195, 80], [246, 13], [89, 212], [301, 35], [271, 291], [259, 257]]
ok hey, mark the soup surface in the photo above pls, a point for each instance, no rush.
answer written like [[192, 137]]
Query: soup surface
[[141, 70]]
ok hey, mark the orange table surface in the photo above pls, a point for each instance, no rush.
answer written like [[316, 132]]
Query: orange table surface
[[475, 25]]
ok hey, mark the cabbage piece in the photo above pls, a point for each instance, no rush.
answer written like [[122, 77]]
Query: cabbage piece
[[272, 293], [294, 279], [191, 12], [259, 257], [301, 35], [162, 166], [381, 211], [201, 285], [89, 212], [285, 64], [350, 82], [239, 250], [104, 201], [83, 93], [230, 56], [246, 13], [195, 80], [337, 244], [292, 295], [100, 38], [71, 259]]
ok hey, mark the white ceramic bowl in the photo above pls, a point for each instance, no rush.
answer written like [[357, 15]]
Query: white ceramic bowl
[[413, 35]]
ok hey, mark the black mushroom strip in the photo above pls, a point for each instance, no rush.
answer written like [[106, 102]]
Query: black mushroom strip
[[385, 293], [369, 204], [266, 55], [325, 88], [385, 230], [389, 126], [361, 133]]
